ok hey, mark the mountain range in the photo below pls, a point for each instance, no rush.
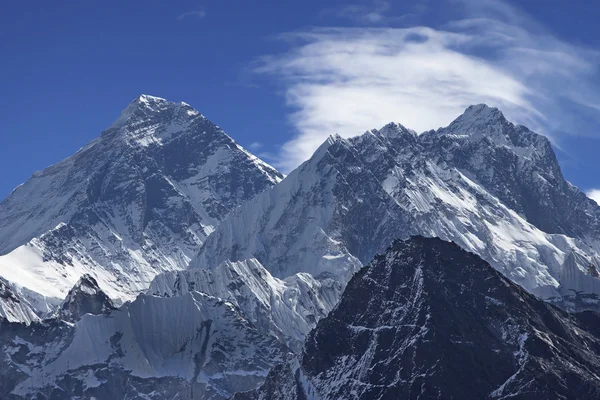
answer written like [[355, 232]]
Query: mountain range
[[163, 260]]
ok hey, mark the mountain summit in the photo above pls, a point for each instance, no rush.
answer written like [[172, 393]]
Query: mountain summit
[[480, 120], [138, 200]]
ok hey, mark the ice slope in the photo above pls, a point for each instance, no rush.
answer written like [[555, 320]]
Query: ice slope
[[578, 290], [13, 308], [192, 346], [137, 201], [286, 308], [573, 278], [428, 320]]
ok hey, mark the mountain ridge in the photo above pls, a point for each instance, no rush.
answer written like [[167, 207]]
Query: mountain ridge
[[345, 204], [427, 319]]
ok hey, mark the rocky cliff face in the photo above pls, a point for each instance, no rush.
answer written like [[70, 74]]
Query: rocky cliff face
[[13, 308], [84, 298], [427, 319]]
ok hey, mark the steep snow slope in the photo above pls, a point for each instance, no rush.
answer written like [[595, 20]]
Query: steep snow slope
[[14, 308], [429, 320], [193, 346], [287, 309], [137, 201]]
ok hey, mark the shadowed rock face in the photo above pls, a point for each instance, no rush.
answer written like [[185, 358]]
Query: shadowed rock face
[[85, 298], [519, 167], [430, 320], [12, 307]]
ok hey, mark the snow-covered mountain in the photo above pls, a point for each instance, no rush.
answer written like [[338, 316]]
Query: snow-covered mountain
[[467, 183], [517, 166], [192, 346], [139, 200], [164, 189], [430, 320]]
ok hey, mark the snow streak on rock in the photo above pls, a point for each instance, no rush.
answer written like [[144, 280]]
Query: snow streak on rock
[[430, 320]]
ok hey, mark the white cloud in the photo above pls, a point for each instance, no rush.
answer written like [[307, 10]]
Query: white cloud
[[348, 80], [197, 14], [594, 194]]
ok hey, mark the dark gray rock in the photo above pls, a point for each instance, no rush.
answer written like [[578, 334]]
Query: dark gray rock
[[85, 297], [430, 320]]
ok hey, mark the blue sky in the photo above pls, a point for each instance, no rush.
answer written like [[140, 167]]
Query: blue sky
[[281, 76]]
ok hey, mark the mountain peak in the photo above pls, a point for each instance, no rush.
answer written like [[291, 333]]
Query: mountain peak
[[426, 313], [85, 297], [151, 107], [153, 102], [146, 98], [395, 131], [88, 282], [482, 109], [478, 120]]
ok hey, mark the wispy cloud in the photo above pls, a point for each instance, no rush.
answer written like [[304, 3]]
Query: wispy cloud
[[254, 146], [195, 14], [348, 80], [594, 194], [378, 12], [375, 13]]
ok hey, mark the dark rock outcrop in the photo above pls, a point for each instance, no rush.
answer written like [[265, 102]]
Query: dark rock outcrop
[[430, 320]]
